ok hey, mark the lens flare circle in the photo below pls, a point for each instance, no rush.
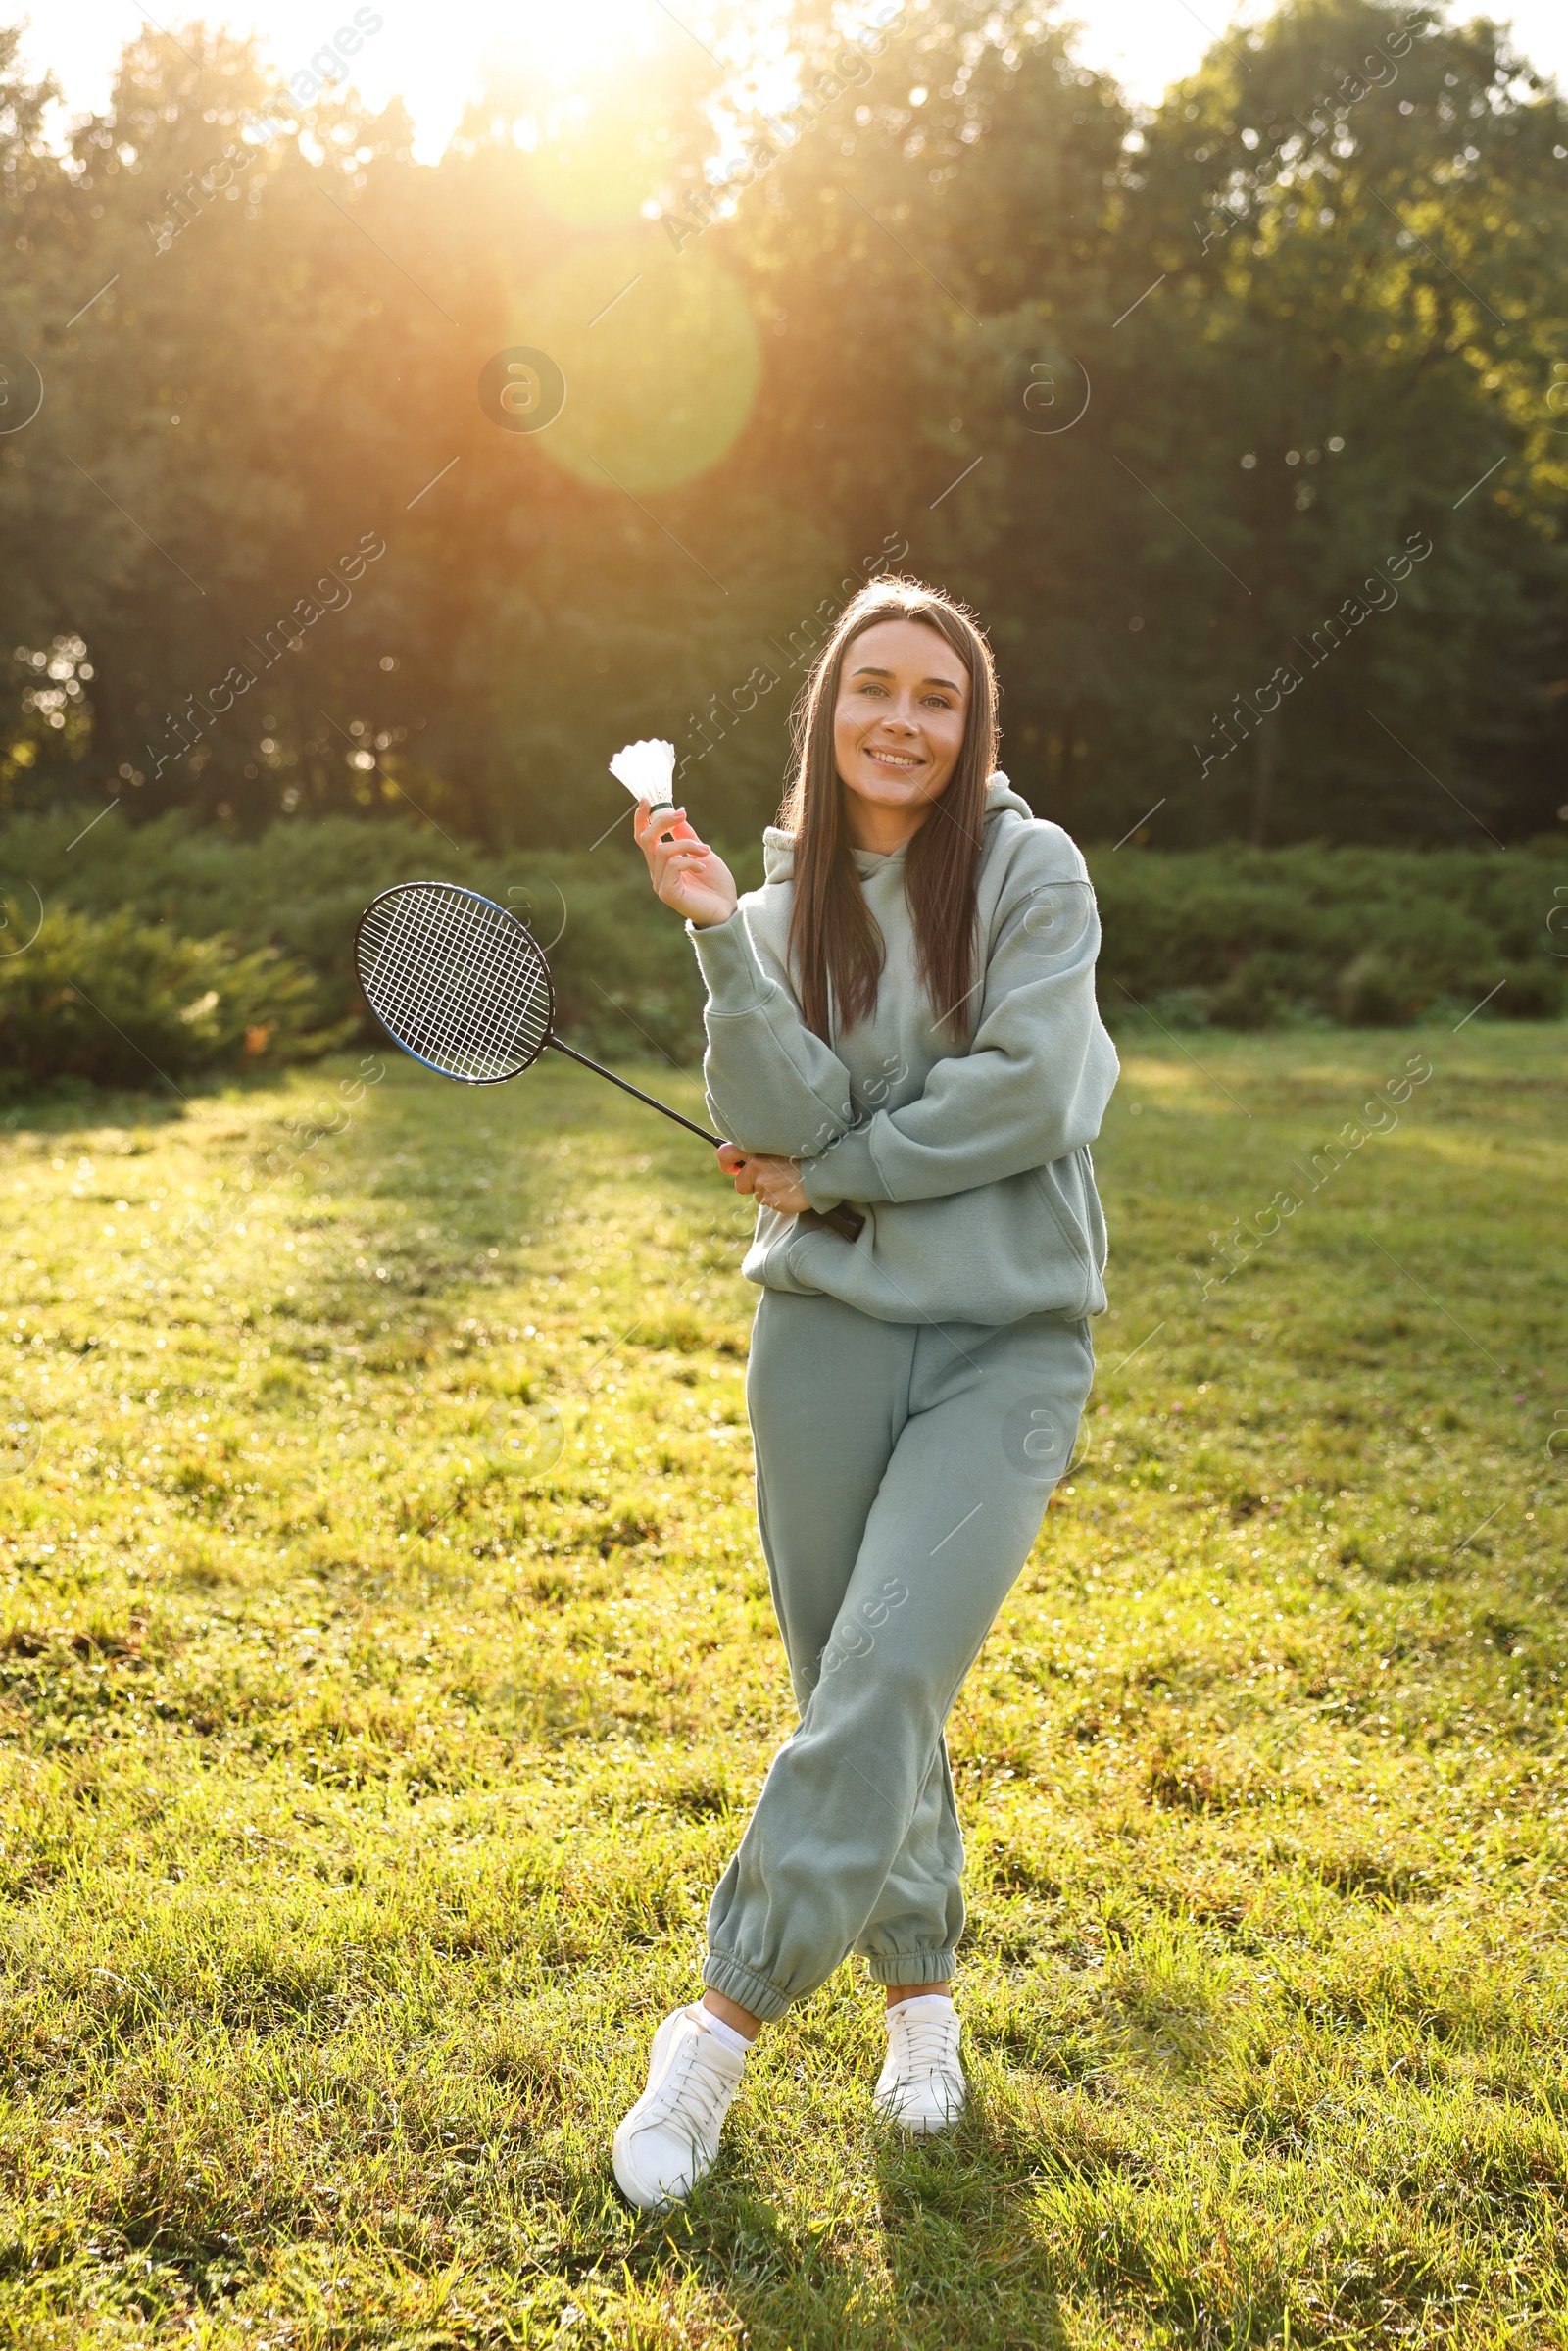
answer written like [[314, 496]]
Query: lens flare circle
[[663, 356]]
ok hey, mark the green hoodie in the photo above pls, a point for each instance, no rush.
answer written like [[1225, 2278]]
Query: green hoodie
[[969, 1161]]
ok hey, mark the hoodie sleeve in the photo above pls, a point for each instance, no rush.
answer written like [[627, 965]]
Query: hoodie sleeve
[[1039, 1071], [772, 1084]]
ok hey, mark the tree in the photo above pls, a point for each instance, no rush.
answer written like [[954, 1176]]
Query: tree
[[1161, 393]]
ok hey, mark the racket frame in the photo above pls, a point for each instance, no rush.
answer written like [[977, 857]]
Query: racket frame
[[504, 1076]]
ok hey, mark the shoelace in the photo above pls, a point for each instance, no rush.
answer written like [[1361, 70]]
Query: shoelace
[[924, 2043], [693, 2094]]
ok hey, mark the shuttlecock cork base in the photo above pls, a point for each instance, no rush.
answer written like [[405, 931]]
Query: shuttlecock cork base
[[648, 771]]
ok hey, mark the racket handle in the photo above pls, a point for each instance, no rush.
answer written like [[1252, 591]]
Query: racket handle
[[842, 1219]]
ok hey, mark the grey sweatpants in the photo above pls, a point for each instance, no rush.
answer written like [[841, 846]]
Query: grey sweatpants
[[903, 1470]]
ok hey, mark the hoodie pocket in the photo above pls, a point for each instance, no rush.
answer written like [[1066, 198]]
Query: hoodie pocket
[[1068, 1188]]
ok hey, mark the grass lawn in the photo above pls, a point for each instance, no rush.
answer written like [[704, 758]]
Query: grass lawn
[[387, 1666]]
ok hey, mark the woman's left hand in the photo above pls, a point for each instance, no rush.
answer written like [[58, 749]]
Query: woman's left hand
[[776, 1183]]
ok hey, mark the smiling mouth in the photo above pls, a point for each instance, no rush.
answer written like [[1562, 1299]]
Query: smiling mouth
[[905, 761]]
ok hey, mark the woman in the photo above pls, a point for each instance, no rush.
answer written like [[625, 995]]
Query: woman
[[902, 1018]]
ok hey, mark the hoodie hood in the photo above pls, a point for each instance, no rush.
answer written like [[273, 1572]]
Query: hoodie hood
[[778, 847]]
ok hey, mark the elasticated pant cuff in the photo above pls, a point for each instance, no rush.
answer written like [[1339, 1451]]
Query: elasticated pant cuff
[[746, 1988], [919, 1967]]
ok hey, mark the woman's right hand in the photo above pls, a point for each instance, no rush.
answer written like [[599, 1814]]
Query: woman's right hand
[[687, 874]]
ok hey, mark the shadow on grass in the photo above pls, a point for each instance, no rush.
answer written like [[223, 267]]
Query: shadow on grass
[[964, 2267], [75, 1107], [962, 2243]]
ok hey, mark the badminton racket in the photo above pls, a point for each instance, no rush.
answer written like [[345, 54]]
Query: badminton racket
[[463, 985]]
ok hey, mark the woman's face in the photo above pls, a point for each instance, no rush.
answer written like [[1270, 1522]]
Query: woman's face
[[898, 725]]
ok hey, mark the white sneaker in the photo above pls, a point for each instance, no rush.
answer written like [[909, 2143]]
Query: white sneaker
[[671, 2136], [922, 2086]]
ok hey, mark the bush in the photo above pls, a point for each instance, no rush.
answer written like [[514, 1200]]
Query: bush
[[1247, 938], [122, 1003], [1234, 937], [626, 980]]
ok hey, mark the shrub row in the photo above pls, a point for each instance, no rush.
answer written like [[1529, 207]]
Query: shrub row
[[120, 1002], [1249, 938], [626, 977], [179, 946]]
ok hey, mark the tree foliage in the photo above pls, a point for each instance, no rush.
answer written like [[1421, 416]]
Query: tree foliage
[[1161, 393]]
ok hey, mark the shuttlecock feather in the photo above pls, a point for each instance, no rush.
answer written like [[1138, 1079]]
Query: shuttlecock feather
[[648, 771]]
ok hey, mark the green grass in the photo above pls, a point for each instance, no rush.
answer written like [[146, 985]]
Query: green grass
[[387, 1666]]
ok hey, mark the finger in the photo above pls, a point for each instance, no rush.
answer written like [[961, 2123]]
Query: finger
[[654, 831], [731, 1157], [691, 850], [666, 859], [654, 846]]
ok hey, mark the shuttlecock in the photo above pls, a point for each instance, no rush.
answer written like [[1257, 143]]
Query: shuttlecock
[[648, 771]]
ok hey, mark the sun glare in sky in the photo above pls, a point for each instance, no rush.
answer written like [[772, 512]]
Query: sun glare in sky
[[435, 58]]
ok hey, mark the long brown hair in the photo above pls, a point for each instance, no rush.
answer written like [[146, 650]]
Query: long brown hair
[[836, 949]]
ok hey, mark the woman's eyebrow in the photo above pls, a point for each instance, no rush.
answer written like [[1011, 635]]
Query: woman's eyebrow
[[867, 670]]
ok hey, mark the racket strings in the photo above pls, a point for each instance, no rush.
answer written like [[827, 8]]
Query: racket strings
[[412, 982], [407, 979], [457, 980], [468, 986]]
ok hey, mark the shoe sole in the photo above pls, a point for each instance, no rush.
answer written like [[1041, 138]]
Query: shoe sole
[[638, 2202], [921, 2130]]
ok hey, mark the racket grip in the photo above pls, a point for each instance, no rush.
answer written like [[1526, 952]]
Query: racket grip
[[844, 1220]]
